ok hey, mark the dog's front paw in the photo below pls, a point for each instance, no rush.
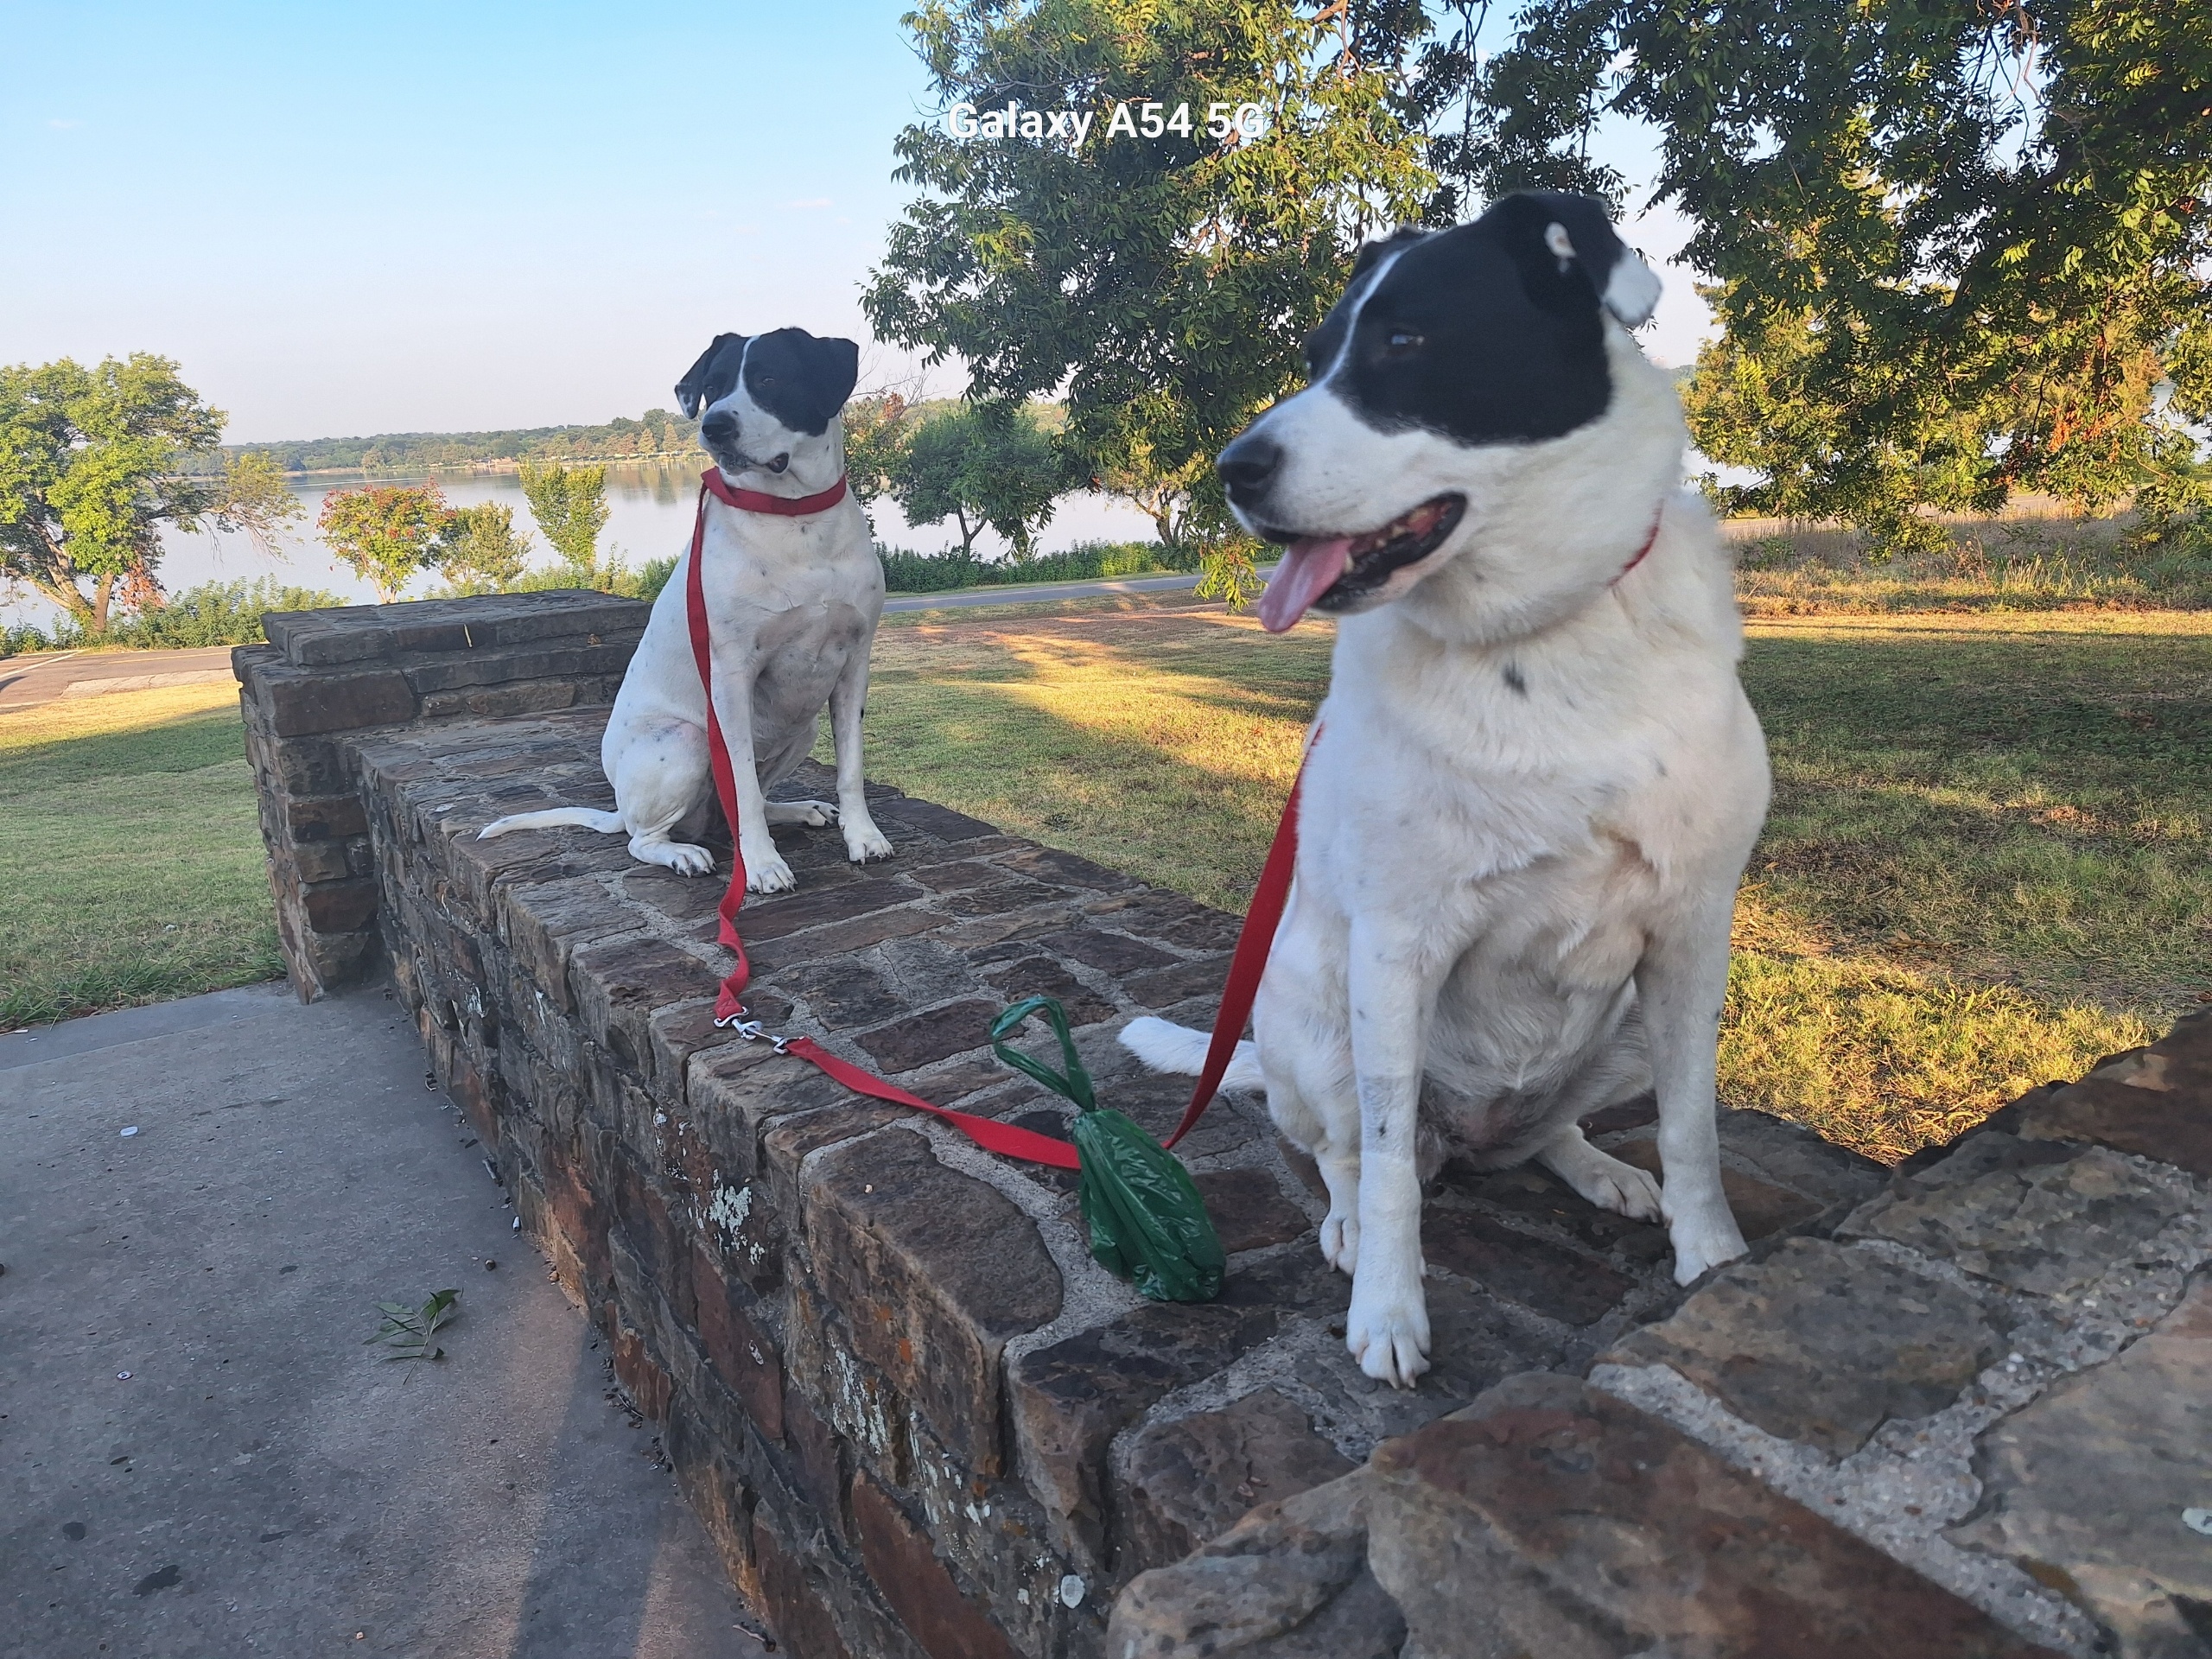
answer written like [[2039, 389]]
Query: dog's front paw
[[1387, 1332], [768, 873], [1702, 1242], [687, 860], [1626, 1190], [863, 840], [1340, 1241]]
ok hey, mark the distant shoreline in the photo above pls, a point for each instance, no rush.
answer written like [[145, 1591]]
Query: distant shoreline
[[502, 464]]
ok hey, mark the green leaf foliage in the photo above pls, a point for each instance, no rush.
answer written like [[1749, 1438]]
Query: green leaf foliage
[[386, 533], [1161, 286], [990, 464], [1960, 251], [480, 550], [570, 504], [659, 434], [411, 1332], [92, 469]]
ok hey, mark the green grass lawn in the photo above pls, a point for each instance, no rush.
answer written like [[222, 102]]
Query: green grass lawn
[[1987, 864], [129, 856]]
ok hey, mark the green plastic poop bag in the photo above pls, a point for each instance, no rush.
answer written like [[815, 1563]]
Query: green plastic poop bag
[[1146, 1222]]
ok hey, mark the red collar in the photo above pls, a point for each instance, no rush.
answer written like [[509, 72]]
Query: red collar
[[759, 501], [1644, 552]]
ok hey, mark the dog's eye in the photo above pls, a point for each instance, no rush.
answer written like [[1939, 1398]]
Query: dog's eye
[[1402, 342]]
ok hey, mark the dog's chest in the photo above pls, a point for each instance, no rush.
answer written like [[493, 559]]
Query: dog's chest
[[799, 654]]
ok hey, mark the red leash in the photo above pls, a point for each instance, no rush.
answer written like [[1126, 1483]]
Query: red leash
[[1246, 966], [1009, 1139]]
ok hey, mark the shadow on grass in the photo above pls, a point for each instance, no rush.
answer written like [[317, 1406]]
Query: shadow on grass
[[1958, 841], [182, 743]]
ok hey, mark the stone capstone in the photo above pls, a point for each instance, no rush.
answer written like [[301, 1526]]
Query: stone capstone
[[1822, 1343], [2008, 1214], [2086, 1488]]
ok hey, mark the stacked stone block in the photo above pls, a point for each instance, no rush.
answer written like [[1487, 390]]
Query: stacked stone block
[[326, 676], [920, 1419], [1975, 1418]]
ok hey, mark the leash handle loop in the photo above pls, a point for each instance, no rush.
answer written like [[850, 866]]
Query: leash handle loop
[[1076, 1085]]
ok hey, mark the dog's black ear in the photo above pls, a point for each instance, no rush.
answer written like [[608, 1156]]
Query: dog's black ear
[[691, 391], [1550, 230], [835, 369], [1371, 251]]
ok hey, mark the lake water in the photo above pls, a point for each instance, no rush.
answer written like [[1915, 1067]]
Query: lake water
[[649, 517]]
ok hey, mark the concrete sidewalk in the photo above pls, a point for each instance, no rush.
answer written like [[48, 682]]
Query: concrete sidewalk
[[197, 1455]]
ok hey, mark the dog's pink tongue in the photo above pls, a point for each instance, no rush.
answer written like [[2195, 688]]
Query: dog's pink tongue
[[1309, 568]]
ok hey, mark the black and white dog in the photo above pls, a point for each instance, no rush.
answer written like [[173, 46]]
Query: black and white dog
[[792, 609], [1536, 779]]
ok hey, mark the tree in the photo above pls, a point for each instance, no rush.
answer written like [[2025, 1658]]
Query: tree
[[877, 430], [1959, 251], [981, 464], [570, 504], [386, 533], [91, 471], [479, 550], [1160, 284]]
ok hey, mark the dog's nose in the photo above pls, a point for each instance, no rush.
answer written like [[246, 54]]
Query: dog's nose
[[719, 428], [1247, 465]]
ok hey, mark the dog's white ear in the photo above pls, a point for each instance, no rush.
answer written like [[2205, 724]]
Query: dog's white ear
[[691, 389], [1626, 286]]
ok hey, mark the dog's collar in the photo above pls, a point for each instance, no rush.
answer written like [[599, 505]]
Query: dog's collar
[[1644, 552], [785, 506]]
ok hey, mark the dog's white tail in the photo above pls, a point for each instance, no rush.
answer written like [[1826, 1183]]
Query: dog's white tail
[[587, 817], [1164, 1046]]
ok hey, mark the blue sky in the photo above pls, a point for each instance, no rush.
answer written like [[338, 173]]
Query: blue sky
[[397, 217]]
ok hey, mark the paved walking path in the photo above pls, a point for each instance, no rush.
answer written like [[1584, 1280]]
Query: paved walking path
[[26, 681], [200, 1458], [1046, 590]]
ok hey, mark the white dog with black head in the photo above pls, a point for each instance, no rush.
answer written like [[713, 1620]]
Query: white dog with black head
[[792, 603], [1536, 778]]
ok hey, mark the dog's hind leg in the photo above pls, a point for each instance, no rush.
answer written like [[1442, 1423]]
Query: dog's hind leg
[[1336, 1156], [659, 780], [1620, 1071]]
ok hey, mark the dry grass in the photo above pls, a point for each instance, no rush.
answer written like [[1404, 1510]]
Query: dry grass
[[1985, 868], [2038, 558]]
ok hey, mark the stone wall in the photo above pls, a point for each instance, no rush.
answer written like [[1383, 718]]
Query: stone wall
[[327, 674], [919, 1421], [1987, 1392]]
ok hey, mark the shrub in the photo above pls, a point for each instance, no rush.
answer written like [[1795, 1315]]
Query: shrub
[[936, 573], [212, 613]]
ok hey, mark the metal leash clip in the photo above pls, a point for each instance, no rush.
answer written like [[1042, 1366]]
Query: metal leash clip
[[754, 1032]]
